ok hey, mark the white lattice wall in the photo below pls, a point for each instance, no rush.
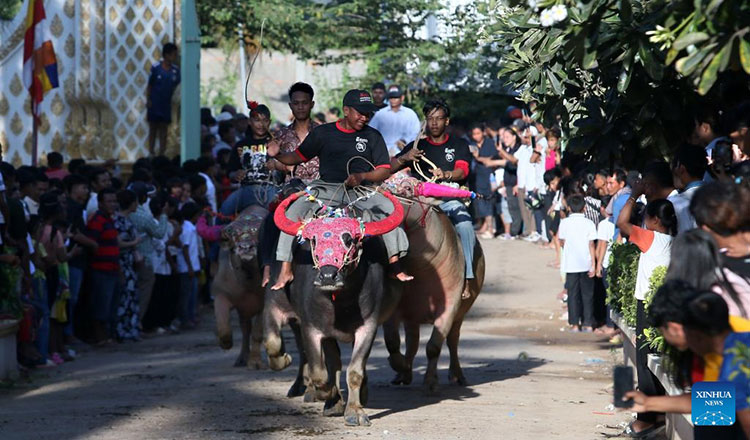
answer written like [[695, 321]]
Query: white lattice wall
[[105, 49]]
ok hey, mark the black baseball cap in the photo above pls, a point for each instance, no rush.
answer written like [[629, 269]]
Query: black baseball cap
[[142, 189], [395, 91], [360, 100], [378, 86]]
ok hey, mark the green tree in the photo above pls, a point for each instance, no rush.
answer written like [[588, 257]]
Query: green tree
[[604, 67], [9, 9], [387, 34]]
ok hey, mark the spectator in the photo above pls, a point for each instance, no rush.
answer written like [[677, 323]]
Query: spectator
[[188, 266], [577, 235], [658, 182], [708, 333], [553, 155], [723, 210], [738, 127], [54, 166], [241, 125], [227, 138], [149, 230], [617, 187], [526, 180], [708, 128], [207, 170], [77, 188], [484, 151], [99, 180], [164, 79], [398, 124], [128, 310], [54, 256], [655, 242], [700, 265], [105, 266], [378, 95], [28, 184], [688, 168], [552, 206], [162, 307]]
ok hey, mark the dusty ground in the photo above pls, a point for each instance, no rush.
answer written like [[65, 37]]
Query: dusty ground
[[529, 381]]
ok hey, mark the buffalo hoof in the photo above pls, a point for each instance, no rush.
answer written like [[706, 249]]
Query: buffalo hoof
[[241, 360], [256, 363], [225, 341], [324, 394], [457, 379], [398, 363], [402, 378], [309, 395], [356, 417], [431, 385], [297, 389], [334, 407], [278, 363]]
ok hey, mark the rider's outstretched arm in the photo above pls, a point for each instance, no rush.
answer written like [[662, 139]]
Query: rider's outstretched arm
[[291, 158]]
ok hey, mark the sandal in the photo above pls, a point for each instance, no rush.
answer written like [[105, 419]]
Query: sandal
[[656, 428]]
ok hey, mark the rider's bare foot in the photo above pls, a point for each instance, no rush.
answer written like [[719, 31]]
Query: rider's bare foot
[[285, 276], [402, 276], [266, 276], [394, 267]]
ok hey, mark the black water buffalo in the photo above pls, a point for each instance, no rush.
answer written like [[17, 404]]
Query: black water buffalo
[[340, 292]]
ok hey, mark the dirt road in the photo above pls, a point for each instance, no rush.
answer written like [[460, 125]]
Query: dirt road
[[528, 380]]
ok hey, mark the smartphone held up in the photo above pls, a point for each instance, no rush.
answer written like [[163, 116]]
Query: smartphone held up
[[623, 384]]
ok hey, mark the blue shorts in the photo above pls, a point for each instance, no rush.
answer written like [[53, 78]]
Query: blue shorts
[[484, 207]]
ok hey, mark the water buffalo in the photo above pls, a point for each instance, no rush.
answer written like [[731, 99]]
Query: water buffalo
[[436, 261], [340, 292], [237, 285]]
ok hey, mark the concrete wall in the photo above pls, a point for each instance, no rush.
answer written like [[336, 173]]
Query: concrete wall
[[272, 75]]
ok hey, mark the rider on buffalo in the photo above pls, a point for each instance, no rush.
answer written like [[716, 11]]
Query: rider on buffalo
[[452, 157], [350, 152]]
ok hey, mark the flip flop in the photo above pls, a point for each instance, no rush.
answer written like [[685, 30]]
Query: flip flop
[[646, 433]]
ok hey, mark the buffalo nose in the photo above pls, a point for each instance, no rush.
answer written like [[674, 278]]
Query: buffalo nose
[[326, 276]]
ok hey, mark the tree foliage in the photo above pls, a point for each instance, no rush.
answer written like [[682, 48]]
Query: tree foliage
[[389, 35], [623, 76], [9, 9]]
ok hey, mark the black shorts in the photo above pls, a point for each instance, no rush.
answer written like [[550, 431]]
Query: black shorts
[[553, 222]]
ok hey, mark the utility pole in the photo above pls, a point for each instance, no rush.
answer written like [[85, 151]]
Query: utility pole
[[190, 105]]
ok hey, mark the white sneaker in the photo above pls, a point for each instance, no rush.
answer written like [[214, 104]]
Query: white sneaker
[[533, 237]]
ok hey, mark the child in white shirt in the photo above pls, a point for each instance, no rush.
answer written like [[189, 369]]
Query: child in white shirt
[[577, 235], [188, 265]]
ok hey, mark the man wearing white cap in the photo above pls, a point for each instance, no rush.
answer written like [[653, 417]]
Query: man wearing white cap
[[398, 124]]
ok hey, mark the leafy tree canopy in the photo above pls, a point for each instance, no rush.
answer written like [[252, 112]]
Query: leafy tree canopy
[[625, 77], [389, 35]]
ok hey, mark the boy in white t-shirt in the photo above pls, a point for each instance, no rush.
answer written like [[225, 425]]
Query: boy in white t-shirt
[[577, 235], [188, 266]]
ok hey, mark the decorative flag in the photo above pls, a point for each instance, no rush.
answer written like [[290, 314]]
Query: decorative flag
[[39, 62]]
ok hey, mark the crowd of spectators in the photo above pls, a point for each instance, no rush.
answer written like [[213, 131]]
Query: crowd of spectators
[[100, 258], [688, 214]]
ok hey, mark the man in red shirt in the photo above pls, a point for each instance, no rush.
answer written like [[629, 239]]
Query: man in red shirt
[[104, 264], [54, 166]]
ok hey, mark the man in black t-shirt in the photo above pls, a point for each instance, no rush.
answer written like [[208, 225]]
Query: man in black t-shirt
[[248, 163], [351, 153], [452, 157]]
